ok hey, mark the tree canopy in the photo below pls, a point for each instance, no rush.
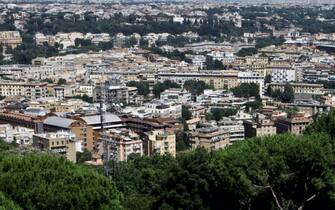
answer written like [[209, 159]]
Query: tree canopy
[[246, 90], [44, 181], [274, 172]]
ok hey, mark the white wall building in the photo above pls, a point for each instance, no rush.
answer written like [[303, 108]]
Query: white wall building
[[283, 75]]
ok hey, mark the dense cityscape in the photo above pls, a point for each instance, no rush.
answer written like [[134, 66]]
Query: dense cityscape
[[167, 105]]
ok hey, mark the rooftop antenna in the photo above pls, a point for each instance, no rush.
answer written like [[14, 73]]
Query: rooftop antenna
[[110, 155]]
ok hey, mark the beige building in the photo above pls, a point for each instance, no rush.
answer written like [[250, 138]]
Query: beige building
[[209, 138], [62, 142], [295, 125], [316, 89], [160, 142], [31, 91], [10, 38], [82, 131], [259, 127]]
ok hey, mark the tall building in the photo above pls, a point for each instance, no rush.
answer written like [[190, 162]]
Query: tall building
[[209, 138]]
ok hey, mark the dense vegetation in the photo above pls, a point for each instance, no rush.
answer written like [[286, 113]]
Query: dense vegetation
[[273, 172], [246, 90], [42, 181], [286, 96], [279, 172]]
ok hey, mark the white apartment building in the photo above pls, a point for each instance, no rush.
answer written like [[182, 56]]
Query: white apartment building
[[252, 77], [162, 109], [19, 135], [31, 91], [234, 128], [176, 95], [279, 75]]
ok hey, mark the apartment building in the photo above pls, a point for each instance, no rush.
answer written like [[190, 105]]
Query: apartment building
[[17, 134], [176, 95], [281, 75], [234, 128], [63, 143], [209, 138], [31, 91], [296, 125], [307, 88], [217, 79], [81, 130], [260, 126], [160, 142], [127, 142]]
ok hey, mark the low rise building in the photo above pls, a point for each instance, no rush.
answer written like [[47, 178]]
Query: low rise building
[[295, 125], [10, 38], [63, 143], [258, 127], [31, 91], [16, 134]]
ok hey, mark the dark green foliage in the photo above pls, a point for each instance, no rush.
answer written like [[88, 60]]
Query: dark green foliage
[[38, 181], [286, 96], [182, 141], [196, 87], [246, 90], [246, 175], [85, 98], [324, 124], [7, 204], [267, 78], [264, 42], [218, 113], [174, 55], [291, 111], [216, 65], [61, 81], [253, 105], [142, 87], [246, 52], [141, 178], [159, 87], [186, 114], [83, 156]]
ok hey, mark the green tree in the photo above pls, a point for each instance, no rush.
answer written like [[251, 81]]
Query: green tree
[[142, 87], [246, 90], [196, 87], [83, 156], [288, 94], [41, 181], [186, 113], [159, 87], [61, 81]]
